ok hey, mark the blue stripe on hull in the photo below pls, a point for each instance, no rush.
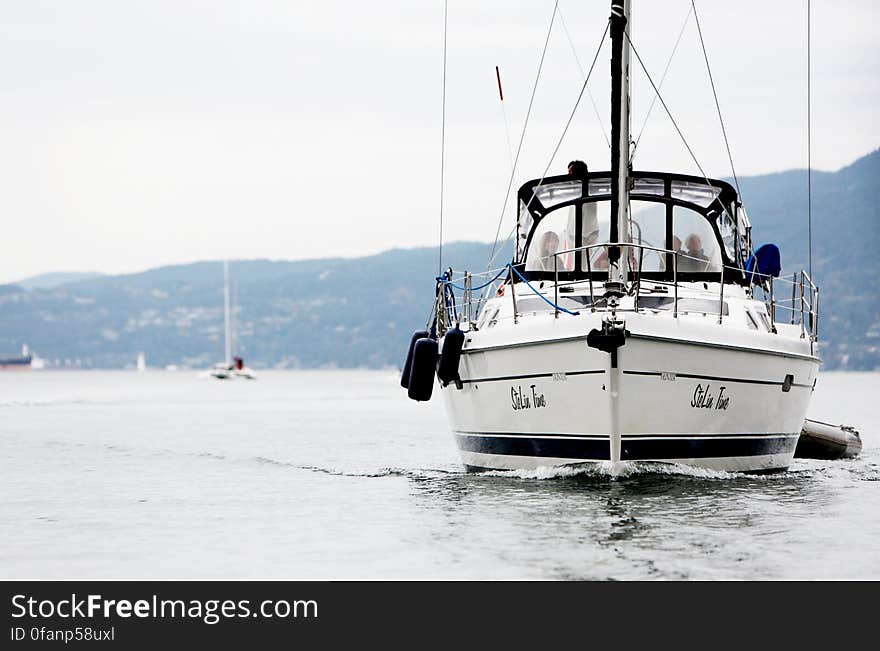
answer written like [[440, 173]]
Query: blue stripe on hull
[[693, 448], [526, 446], [631, 449]]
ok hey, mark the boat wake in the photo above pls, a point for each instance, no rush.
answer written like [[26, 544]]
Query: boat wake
[[862, 469], [54, 403], [607, 470], [356, 471], [852, 469]]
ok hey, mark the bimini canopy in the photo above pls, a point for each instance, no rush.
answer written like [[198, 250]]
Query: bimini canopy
[[699, 219]]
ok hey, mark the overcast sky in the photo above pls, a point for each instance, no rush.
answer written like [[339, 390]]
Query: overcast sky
[[140, 133]]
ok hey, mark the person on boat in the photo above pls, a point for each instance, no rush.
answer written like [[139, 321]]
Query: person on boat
[[695, 247], [578, 169], [676, 245], [548, 246], [694, 258]]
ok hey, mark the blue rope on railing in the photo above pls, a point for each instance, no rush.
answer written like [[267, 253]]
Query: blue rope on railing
[[540, 295], [478, 287], [449, 285]]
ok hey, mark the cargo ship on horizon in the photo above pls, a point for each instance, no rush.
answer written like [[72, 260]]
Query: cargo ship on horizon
[[22, 362]]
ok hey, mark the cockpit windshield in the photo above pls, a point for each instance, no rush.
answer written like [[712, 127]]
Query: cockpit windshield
[[681, 224]]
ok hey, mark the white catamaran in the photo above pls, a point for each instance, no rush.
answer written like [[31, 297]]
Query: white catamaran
[[636, 322]]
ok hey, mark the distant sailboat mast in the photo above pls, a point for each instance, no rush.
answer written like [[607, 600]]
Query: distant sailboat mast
[[226, 315], [234, 320]]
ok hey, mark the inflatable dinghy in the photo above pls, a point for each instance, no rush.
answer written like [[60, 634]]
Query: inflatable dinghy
[[820, 440]]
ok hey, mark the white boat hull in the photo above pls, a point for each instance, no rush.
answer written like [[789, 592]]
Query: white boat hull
[[233, 373], [689, 401]]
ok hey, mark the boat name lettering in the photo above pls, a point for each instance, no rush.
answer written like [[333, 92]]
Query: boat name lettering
[[705, 399], [667, 376], [526, 398], [560, 377]]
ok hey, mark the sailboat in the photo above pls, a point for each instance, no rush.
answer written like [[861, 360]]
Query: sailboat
[[233, 365], [636, 322]]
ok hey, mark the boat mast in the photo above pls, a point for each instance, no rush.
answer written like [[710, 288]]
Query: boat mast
[[620, 172], [234, 320], [226, 313]]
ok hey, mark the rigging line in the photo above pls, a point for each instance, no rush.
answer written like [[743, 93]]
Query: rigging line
[[581, 68], [573, 110], [443, 139], [568, 122], [662, 79], [523, 134], [672, 119], [715, 95], [484, 295], [504, 116], [809, 158], [665, 107], [501, 248]]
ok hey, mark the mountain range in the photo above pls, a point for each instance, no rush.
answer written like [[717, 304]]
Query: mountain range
[[360, 312]]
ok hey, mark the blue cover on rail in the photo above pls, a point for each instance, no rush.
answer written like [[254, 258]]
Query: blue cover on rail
[[765, 260]]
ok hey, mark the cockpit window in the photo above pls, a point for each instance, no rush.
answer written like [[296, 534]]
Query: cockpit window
[[648, 186], [727, 228], [557, 232], [656, 187], [555, 193], [600, 187], [554, 233], [648, 228], [697, 193], [595, 229], [523, 227], [744, 228], [694, 240]]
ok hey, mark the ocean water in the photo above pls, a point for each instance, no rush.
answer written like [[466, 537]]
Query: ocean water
[[336, 475]]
